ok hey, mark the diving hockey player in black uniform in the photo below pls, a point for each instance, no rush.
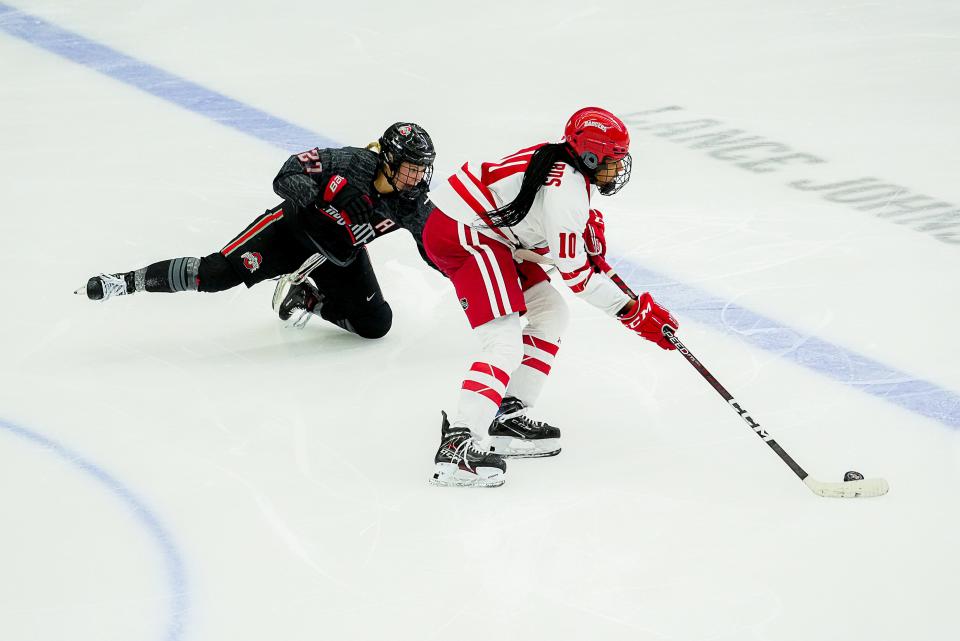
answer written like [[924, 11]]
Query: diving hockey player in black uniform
[[335, 202]]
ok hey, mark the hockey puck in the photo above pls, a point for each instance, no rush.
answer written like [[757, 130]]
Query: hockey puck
[[853, 476]]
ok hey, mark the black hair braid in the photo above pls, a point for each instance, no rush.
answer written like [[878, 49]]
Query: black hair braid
[[534, 177]]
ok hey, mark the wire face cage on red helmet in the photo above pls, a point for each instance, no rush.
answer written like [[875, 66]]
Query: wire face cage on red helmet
[[601, 142]]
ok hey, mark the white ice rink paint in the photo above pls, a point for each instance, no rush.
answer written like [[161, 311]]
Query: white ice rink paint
[[182, 468]]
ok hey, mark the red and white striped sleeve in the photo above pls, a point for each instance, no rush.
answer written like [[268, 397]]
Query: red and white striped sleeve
[[566, 208]]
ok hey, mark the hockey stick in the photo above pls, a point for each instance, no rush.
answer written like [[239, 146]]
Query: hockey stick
[[861, 488], [308, 266]]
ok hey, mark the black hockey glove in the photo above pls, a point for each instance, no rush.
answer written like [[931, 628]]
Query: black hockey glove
[[348, 199]]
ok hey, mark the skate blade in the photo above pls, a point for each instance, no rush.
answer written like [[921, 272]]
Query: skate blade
[[284, 284], [509, 447], [298, 321], [450, 475]]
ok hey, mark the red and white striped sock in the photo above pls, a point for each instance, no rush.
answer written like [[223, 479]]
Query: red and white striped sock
[[480, 396], [528, 380]]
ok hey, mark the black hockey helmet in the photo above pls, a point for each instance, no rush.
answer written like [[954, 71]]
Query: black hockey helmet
[[407, 142]]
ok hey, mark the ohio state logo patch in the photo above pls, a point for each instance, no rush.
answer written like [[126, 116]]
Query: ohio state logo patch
[[252, 260], [405, 130], [464, 303]]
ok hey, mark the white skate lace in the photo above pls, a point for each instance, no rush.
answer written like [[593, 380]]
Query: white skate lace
[[112, 286], [466, 446]]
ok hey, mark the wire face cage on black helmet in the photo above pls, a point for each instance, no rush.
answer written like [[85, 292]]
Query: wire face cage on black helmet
[[407, 142], [609, 185]]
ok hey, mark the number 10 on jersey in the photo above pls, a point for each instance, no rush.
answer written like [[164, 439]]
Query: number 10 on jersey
[[568, 245]]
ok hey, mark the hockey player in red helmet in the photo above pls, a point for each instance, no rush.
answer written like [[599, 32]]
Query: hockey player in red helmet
[[602, 144], [494, 224]]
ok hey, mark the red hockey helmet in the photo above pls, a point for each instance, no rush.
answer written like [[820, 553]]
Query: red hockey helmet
[[595, 135]]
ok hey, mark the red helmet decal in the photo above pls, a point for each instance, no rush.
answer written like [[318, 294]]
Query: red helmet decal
[[594, 123]]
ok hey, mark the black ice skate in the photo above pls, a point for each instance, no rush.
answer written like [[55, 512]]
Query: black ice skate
[[295, 303], [460, 463], [514, 435], [106, 286]]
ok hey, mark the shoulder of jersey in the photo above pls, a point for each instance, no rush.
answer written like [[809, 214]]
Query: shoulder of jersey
[[564, 181]]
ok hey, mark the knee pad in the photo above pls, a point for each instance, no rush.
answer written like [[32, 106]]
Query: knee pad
[[501, 342], [547, 313], [216, 274]]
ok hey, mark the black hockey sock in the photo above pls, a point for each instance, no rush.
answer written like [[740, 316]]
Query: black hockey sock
[[174, 275]]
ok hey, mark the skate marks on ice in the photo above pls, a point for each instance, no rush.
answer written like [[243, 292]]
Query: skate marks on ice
[[177, 585]]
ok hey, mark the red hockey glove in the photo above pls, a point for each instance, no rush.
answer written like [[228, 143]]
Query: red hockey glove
[[348, 200], [599, 264], [595, 242], [594, 235], [646, 318]]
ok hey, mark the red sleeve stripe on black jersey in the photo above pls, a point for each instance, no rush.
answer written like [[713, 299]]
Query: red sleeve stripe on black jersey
[[255, 229]]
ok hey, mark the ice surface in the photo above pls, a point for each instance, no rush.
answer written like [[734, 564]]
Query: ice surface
[[180, 467]]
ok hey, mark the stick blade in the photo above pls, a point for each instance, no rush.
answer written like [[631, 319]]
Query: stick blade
[[865, 488]]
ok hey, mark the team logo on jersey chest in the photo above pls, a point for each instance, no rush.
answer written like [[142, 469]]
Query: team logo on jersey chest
[[252, 260], [405, 130], [464, 303]]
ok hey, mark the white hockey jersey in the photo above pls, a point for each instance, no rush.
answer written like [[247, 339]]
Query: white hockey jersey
[[554, 225]]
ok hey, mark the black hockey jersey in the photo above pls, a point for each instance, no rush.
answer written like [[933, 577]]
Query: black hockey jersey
[[302, 181]]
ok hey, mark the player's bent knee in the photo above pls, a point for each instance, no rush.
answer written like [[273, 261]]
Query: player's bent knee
[[509, 355], [216, 275], [373, 323]]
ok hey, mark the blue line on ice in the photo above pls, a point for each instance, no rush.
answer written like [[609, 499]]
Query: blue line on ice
[[849, 368], [841, 365], [171, 556], [157, 82]]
